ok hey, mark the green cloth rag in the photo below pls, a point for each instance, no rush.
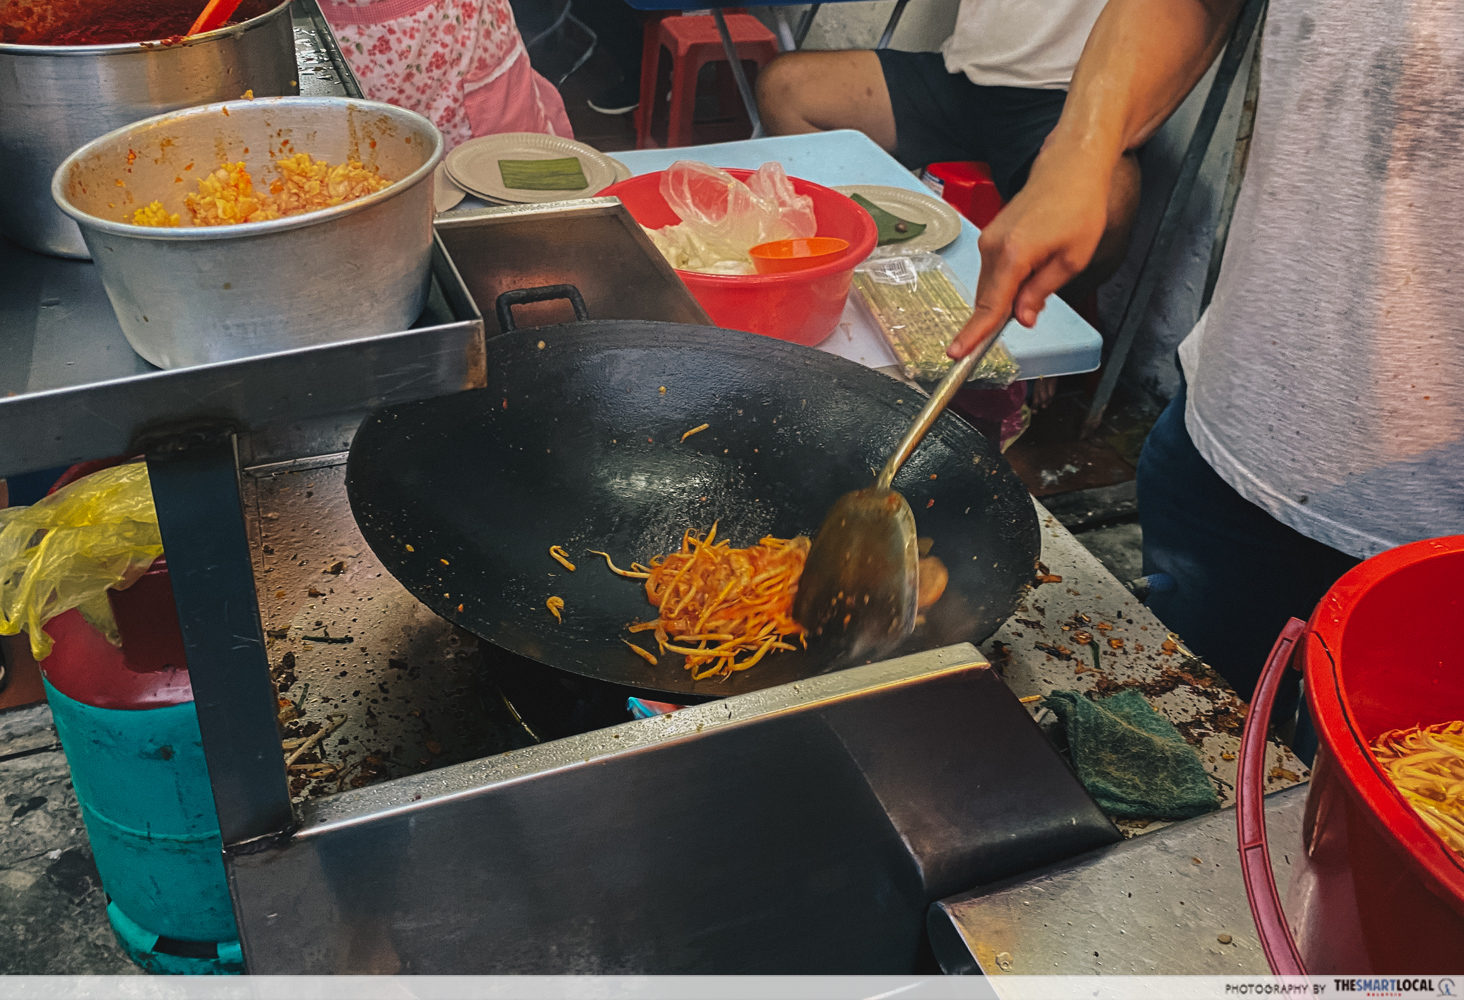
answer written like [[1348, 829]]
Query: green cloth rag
[[563, 174], [1131, 759]]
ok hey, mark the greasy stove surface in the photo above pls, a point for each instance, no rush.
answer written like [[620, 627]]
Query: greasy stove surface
[[395, 689]]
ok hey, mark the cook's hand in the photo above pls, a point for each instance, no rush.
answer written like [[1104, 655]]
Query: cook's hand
[[1038, 243]]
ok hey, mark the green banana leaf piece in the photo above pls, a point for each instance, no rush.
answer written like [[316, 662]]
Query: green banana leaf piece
[[890, 226], [564, 174]]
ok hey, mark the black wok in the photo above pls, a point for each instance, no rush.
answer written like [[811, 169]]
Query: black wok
[[576, 441]]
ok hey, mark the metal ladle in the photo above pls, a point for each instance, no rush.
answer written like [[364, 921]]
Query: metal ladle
[[860, 582]]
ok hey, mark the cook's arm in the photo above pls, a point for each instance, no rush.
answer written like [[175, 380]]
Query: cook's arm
[[1140, 61]]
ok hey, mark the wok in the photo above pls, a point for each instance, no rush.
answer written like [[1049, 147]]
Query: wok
[[577, 441]]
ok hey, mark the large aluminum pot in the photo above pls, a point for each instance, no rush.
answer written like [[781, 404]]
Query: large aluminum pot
[[192, 295], [53, 98]]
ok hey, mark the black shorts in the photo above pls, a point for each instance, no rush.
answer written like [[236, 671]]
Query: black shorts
[[942, 116]]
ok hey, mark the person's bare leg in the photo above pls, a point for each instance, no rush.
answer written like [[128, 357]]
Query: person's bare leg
[[802, 92]]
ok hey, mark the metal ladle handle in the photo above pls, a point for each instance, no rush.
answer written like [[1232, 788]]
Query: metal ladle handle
[[935, 406]]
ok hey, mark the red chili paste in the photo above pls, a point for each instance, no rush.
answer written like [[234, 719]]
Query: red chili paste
[[108, 22]]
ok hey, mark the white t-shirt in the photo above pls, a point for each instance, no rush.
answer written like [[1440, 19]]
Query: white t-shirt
[[1326, 381], [1020, 43]]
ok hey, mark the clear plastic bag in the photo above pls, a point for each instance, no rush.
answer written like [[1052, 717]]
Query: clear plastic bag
[[919, 305], [67, 550], [722, 217]]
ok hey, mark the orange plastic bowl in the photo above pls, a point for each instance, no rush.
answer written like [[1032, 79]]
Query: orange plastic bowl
[[799, 306], [782, 256]]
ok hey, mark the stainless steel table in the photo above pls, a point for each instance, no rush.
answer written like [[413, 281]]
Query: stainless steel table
[[1169, 900], [1171, 903], [1046, 645]]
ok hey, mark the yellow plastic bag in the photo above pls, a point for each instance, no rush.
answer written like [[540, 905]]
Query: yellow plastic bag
[[67, 550]]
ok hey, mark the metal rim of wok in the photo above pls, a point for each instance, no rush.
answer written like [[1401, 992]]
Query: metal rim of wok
[[572, 443]]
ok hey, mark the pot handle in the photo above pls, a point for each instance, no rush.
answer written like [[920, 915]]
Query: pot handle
[[1250, 809], [544, 293]]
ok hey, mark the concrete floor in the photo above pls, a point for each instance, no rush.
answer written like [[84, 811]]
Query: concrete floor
[[52, 907], [1118, 547]]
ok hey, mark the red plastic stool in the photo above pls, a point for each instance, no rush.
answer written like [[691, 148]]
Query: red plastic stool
[[967, 187], [693, 42]]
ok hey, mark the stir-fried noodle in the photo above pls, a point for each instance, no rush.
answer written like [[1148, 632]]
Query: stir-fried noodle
[[723, 609]]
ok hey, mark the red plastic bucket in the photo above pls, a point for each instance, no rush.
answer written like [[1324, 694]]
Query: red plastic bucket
[[1375, 892], [801, 306]]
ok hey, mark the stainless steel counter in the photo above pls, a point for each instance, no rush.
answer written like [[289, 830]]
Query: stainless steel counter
[[399, 690], [1049, 644], [1167, 904], [317, 578], [801, 828], [1158, 903]]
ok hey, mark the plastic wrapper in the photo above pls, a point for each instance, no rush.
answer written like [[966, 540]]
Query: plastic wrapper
[[722, 218], [67, 550], [919, 306]]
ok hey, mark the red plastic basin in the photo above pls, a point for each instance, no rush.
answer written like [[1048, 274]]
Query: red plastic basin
[[1374, 891], [801, 306]]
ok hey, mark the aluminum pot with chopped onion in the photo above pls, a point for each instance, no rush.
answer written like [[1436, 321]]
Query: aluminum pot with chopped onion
[[250, 227]]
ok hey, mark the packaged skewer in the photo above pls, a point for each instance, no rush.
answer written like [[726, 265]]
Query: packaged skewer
[[919, 305]]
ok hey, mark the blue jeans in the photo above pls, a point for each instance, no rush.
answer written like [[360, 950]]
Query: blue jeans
[[1238, 573]]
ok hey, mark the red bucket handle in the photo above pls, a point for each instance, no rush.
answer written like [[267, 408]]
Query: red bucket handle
[[1250, 809]]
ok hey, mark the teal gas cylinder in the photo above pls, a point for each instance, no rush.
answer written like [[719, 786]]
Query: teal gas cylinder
[[127, 722]]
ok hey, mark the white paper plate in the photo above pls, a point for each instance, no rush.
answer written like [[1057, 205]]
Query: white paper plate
[[445, 191], [942, 222], [474, 166], [622, 172]]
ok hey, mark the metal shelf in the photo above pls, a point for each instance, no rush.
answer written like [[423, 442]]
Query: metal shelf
[[74, 390], [71, 388]]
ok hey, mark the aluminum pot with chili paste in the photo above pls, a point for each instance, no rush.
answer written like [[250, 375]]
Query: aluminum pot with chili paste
[[72, 70]]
